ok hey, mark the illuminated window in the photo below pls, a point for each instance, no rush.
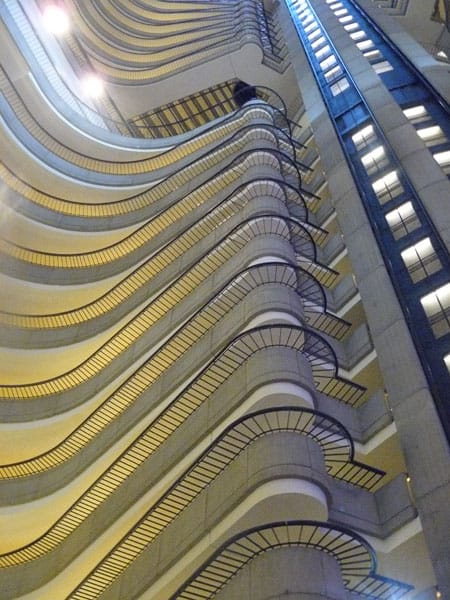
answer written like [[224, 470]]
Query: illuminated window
[[447, 362], [323, 52], [415, 114], [314, 34], [340, 12], [362, 137], [358, 35], [340, 86], [383, 66], [443, 160], [336, 5], [432, 135], [421, 260], [372, 55], [387, 187], [437, 308], [365, 45], [351, 27], [328, 62], [402, 220], [374, 160], [333, 73], [318, 42], [311, 26], [346, 19]]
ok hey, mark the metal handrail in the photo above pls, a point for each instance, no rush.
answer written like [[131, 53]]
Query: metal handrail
[[137, 327], [193, 231], [134, 205], [211, 377], [136, 240], [165, 158], [136, 283], [332, 437], [101, 359], [355, 557]]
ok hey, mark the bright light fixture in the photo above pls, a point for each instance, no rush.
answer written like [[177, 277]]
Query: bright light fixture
[[92, 85], [56, 19]]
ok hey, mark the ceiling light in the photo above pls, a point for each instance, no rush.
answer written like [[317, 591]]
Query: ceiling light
[[92, 85], [56, 19]]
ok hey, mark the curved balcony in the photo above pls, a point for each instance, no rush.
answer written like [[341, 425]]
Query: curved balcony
[[355, 557], [131, 172], [213, 486], [223, 451]]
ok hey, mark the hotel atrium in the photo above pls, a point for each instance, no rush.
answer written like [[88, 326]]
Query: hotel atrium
[[225, 300]]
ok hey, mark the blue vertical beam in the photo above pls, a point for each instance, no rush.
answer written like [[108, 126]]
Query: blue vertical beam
[[349, 111]]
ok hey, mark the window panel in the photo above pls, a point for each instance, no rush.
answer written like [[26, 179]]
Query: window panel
[[328, 62], [437, 308], [416, 114], [403, 220], [340, 86], [374, 160], [443, 160], [432, 135], [363, 137], [383, 66], [421, 260], [387, 187]]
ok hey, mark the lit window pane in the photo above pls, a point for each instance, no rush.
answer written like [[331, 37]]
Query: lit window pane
[[432, 135], [437, 308], [328, 62], [447, 362], [443, 160], [358, 35], [402, 220], [362, 137], [314, 34], [387, 187], [372, 54], [323, 52], [365, 45], [311, 26], [333, 73], [318, 42], [340, 86], [421, 260], [416, 113], [382, 67], [374, 160]]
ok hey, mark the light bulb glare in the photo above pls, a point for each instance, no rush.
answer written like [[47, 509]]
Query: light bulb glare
[[56, 19], [92, 86]]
